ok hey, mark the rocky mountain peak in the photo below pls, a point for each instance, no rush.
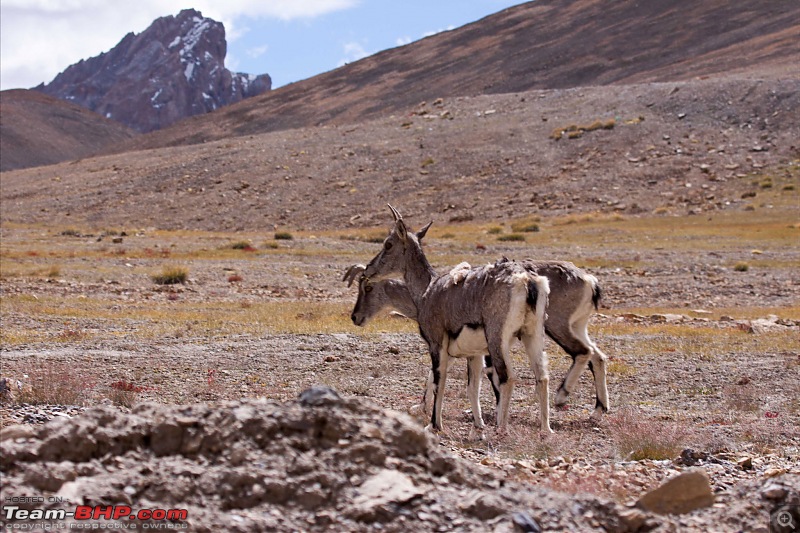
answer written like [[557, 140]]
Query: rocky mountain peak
[[172, 70]]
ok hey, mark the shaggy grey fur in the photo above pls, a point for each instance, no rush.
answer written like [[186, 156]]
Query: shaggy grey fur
[[574, 296], [501, 300]]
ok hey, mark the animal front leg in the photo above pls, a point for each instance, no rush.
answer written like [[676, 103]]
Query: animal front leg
[[439, 363], [489, 370], [420, 409], [474, 371]]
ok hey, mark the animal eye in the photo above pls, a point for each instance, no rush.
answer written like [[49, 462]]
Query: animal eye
[[387, 245], [368, 288]]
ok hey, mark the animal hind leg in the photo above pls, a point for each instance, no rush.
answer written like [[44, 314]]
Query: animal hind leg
[[505, 379], [598, 364], [539, 365], [599, 367], [579, 363]]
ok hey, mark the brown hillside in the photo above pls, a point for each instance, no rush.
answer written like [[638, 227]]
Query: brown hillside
[[682, 147], [539, 45], [36, 129], [688, 145]]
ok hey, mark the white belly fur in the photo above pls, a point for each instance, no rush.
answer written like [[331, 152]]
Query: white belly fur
[[469, 343]]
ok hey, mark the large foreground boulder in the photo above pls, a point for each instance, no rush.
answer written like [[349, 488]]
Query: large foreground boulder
[[318, 463]]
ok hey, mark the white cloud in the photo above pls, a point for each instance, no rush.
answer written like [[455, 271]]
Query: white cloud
[[257, 51], [401, 41], [440, 30], [40, 38], [353, 51]]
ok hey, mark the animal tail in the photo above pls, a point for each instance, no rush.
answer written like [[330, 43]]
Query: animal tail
[[538, 294], [597, 291]]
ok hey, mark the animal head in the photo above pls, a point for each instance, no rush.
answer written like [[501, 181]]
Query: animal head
[[375, 296], [369, 302], [392, 259]]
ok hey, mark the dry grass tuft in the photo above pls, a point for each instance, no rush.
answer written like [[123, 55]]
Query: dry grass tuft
[[525, 227], [124, 393], [55, 383], [575, 131], [639, 437], [246, 246]]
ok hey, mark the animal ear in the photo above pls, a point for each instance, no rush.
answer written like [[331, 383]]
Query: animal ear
[[421, 233]]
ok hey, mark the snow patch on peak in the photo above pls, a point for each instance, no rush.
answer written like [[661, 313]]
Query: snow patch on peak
[[193, 36]]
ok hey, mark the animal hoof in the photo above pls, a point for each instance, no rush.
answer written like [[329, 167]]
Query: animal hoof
[[547, 430], [417, 410], [477, 434], [501, 432], [432, 430], [562, 397]]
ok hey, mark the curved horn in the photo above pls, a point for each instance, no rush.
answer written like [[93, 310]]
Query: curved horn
[[352, 273], [395, 213]]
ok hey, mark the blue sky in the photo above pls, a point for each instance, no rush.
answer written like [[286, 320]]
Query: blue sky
[[288, 39]]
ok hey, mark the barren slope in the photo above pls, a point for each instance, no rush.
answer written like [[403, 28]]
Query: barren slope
[[686, 147], [36, 129]]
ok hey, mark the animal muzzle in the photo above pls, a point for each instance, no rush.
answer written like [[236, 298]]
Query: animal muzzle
[[358, 320]]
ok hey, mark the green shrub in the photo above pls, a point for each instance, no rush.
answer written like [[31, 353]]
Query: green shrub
[[171, 276], [511, 237], [528, 227], [283, 236]]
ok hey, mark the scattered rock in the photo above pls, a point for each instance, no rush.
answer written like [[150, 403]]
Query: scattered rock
[[774, 492], [684, 493], [633, 518], [18, 431], [524, 523], [745, 463], [689, 457], [317, 396]]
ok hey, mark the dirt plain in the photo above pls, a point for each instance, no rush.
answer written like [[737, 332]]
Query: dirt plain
[[704, 357]]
